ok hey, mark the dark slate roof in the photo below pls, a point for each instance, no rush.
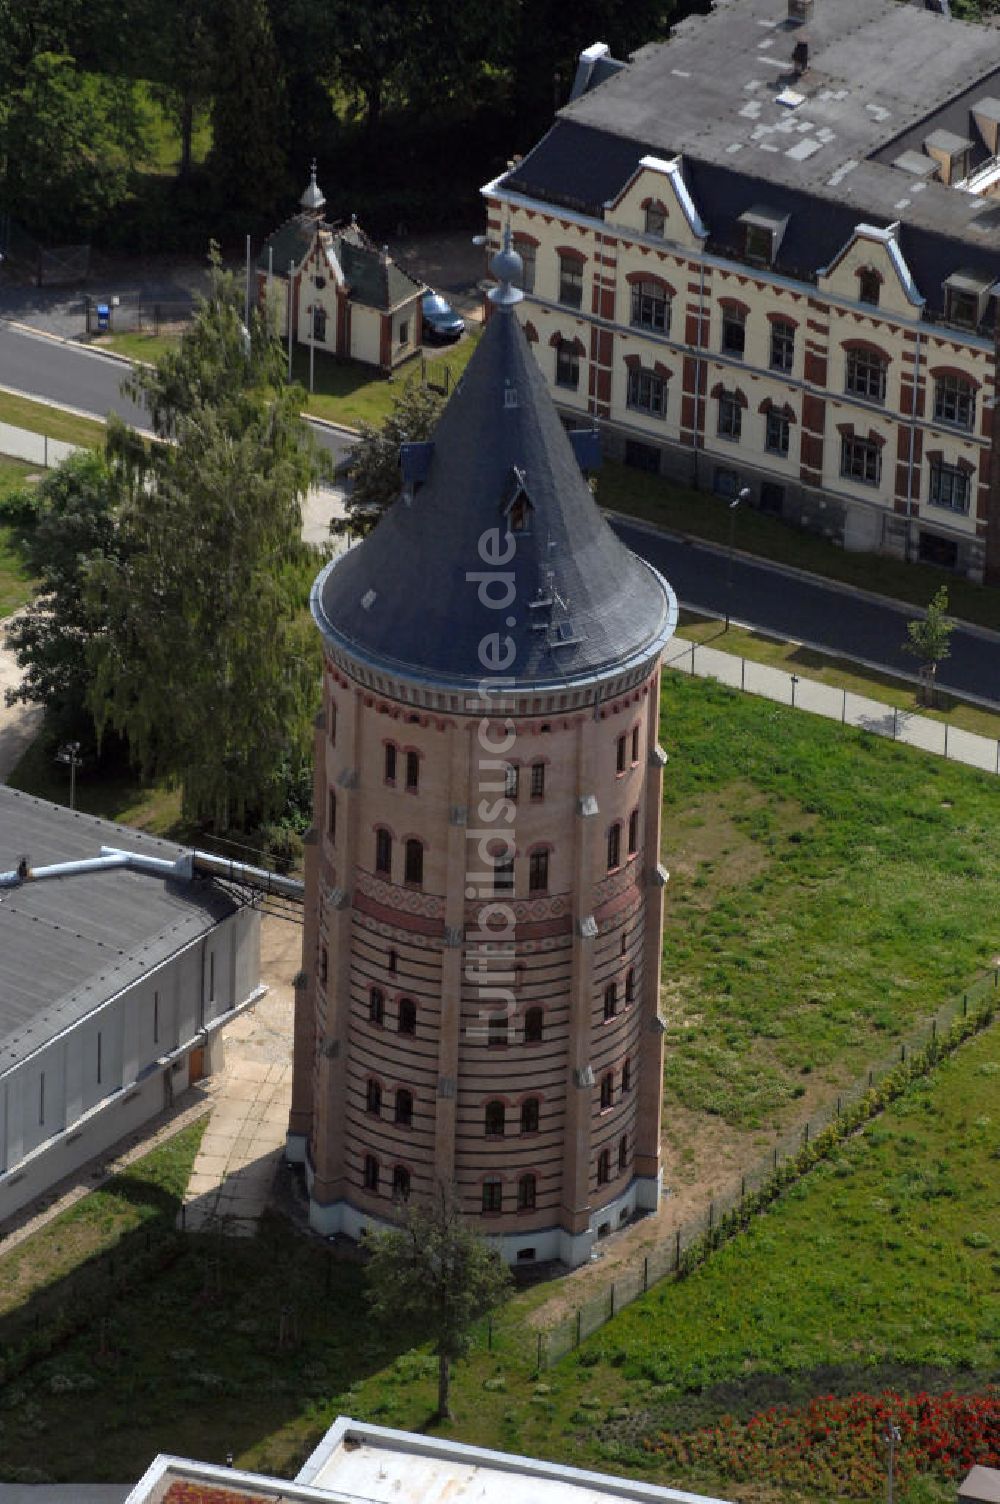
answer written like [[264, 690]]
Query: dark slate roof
[[881, 77], [69, 943], [402, 599], [580, 168], [289, 242], [371, 279]]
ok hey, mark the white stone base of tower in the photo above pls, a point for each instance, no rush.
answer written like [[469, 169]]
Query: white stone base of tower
[[544, 1245]]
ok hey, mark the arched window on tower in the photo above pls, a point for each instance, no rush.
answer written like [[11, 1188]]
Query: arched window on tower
[[390, 762], [498, 1030], [534, 1026], [412, 771], [529, 1115], [614, 846], [383, 853], [607, 1091], [630, 986], [407, 1016], [623, 1152], [526, 1193], [414, 868], [604, 1167], [371, 1173], [610, 1001], [626, 1076], [404, 1108], [373, 1097], [376, 1007], [494, 1119], [633, 832], [503, 875], [400, 1183], [493, 1194]]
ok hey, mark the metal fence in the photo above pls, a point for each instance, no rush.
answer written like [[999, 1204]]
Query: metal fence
[[914, 730], [132, 314], [667, 1257]]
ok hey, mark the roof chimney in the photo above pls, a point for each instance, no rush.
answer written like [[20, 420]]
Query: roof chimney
[[800, 11], [800, 57]]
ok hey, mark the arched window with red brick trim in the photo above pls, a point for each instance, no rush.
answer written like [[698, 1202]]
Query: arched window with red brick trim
[[866, 370], [734, 327], [954, 397], [571, 262], [650, 302], [526, 247]]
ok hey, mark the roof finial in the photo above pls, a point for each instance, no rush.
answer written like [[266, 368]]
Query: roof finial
[[312, 199], [508, 268]]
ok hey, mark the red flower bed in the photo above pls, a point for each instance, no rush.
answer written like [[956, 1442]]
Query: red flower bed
[[838, 1444]]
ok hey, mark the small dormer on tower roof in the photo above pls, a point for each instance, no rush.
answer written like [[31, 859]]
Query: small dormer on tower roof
[[313, 200]]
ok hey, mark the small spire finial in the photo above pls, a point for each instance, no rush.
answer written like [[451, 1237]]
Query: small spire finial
[[508, 268], [312, 198]]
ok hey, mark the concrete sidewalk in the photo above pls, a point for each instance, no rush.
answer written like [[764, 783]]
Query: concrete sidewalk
[[232, 1175]]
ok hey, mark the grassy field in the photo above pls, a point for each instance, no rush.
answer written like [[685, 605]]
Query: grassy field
[[39, 417], [704, 515], [841, 673], [878, 1269], [828, 889], [15, 583], [138, 346], [349, 393]]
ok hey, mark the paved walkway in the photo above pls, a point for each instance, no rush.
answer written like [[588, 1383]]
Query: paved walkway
[[936, 737], [232, 1175]]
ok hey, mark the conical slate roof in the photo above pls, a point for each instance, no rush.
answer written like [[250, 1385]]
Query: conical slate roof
[[403, 599]]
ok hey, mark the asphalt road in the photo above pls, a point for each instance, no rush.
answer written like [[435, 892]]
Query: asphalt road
[[807, 610], [804, 609]]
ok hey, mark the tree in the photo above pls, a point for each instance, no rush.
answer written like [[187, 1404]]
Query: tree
[[67, 524], [927, 638], [206, 664], [69, 140], [374, 459], [247, 159], [436, 1268]]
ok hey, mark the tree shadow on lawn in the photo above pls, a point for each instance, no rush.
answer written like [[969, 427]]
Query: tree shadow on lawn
[[191, 1343]]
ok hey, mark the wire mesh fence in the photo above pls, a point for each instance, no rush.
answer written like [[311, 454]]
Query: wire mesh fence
[[763, 1179], [129, 314], [952, 742]]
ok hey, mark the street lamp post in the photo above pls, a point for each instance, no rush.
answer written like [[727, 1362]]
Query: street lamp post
[[70, 753], [795, 680], [734, 505]]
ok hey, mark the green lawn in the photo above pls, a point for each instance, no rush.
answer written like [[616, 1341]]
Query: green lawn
[[138, 346], [828, 890], [350, 393], [113, 795], [15, 583], [841, 673], [39, 417], [878, 1269], [705, 515]]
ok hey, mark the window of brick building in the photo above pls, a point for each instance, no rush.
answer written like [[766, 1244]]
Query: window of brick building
[[646, 393], [782, 346], [861, 460], [373, 1097], [607, 1091], [412, 771], [730, 424], [526, 1193], [376, 1007], [570, 281], [534, 1026], [492, 1195], [734, 331], [401, 1183], [529, 1115], [538, 780], [604, 1167], [414, 866], [568, 364], [404, 1108], [494, 1119], [538, 872], [614, 847], [776, 433], [650, 307], [865, 375], [407, 1023], [954, 401], [610, 1001], [950, 488], [383, 853], [371, 1173]]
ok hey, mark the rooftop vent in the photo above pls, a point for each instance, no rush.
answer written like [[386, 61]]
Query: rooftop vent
[[800, 11], [986, 114], [800, 57]]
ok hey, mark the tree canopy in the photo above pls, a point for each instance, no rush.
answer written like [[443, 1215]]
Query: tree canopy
[[207, 664], [374, 459], [928, 637], [436, 1270]]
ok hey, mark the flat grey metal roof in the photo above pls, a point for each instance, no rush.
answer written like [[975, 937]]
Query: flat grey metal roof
[[878, 73], [67, 944]]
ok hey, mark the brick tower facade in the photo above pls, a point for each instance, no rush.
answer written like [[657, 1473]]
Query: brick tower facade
[[481, 952]]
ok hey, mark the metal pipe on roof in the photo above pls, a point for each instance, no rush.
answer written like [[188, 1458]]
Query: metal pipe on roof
[[258, 878], [182, 870]]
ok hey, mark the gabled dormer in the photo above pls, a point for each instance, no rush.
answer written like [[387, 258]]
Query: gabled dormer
[[655, 203], [871, 270], [518, 506]]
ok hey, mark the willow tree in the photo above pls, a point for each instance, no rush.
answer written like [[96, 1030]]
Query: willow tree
[[206, 663]]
